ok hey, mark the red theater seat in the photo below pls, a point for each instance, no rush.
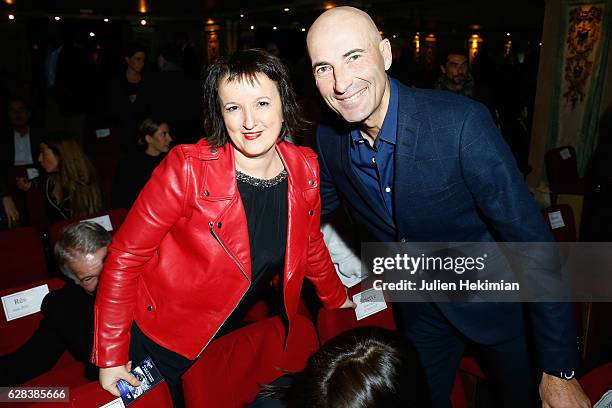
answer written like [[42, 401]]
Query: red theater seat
[[230, 370], [14, 333], [22, 257], [597, 382], [331, 323], [116, 217]]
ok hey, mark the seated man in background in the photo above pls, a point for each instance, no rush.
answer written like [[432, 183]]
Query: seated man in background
[[68, 318]]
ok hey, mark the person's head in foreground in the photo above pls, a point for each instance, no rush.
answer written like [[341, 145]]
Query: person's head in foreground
[[80, 253], [349, 63], [364, 368], [251, 104]]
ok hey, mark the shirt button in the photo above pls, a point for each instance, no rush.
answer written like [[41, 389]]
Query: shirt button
[[388, 189], [374, 160]]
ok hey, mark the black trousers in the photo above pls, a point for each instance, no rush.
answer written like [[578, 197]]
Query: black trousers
[[170, 364], [441, 346]]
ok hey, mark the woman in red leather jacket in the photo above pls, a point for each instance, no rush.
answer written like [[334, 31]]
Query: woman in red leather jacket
[[218, 222]]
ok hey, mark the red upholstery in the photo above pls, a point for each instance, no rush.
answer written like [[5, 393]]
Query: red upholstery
[[91, 395], [331, 323], [14, 333], [469, 366], [566, 233], [230, 370], [116, 216], [597, 382], [22, 257], [106, 165]]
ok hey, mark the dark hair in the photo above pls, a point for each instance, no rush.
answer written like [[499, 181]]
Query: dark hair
[[368, 367], [133, 48], [453, 47], [148, 127], [21, 100], [245, 65]]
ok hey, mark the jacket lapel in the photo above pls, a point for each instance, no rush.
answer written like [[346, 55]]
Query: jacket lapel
[[409, 124]]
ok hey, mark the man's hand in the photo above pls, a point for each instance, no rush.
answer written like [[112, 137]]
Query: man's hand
[[10, 209], [348, 303], [559, 393], [109, 377]]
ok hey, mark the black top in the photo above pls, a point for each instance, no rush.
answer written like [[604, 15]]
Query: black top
[[265, 205], [132, 174]]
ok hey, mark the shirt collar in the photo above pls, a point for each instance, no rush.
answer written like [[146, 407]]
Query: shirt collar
[[388, 130]]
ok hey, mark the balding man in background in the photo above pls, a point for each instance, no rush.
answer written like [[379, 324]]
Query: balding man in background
[[398, 151]]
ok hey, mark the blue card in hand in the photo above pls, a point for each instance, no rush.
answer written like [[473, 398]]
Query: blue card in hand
[[148, 375]]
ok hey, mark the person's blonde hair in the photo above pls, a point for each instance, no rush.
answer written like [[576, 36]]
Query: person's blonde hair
[[76, 175]]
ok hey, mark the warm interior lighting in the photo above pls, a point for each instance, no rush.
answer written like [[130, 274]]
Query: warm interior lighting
[[303, 30], [9, 2], [252, 27], [106, 20], [57, 18], [328, 5], [475, 43], [210, 21], [143, 22], [286, 9], [241, 15], [417, 46], [11, 17], [275, 28], [92, 34], [143, 7]]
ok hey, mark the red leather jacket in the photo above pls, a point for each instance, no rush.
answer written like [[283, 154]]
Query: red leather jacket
[[180, 263]]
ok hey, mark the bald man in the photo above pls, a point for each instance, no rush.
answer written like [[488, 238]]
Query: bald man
[[423, 165]]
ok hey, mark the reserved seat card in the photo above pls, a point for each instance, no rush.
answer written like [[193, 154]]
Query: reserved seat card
[[24, 303], [368, 302], [116, 403], [605, 401]]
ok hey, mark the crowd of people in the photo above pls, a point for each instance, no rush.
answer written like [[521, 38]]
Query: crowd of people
[[214, 224]]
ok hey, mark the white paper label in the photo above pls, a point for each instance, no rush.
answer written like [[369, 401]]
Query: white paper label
[[116, 403], [32, 173], [24, 303], [565, 154], [556, 220], [102, 133], [605, 401], [350, 281], [368, 302], [104, 221]]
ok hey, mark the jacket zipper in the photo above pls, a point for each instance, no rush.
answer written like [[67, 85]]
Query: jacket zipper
[[214, 234]]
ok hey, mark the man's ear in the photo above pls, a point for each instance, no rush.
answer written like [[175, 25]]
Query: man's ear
[[148, 139], [384, 46]]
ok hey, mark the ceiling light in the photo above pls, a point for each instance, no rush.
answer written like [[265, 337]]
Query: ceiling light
[[143, 22]]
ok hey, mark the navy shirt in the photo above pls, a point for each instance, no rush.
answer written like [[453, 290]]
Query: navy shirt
[[374, 164]]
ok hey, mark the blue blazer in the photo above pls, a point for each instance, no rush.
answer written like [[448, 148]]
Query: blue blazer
[[457, 181]]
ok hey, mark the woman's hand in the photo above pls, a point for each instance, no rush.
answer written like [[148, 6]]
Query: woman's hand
[[10, 209], [23, 184], [109, 377]]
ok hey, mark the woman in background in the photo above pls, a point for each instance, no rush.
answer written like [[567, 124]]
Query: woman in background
[[69, 183], [134, 172]]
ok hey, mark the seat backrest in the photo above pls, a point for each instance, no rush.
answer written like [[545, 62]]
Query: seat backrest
[[560, 220], [22, 257], [597, 382], [561, 165], [16, 332], [230, 370], [331, 323], [116, 217]]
